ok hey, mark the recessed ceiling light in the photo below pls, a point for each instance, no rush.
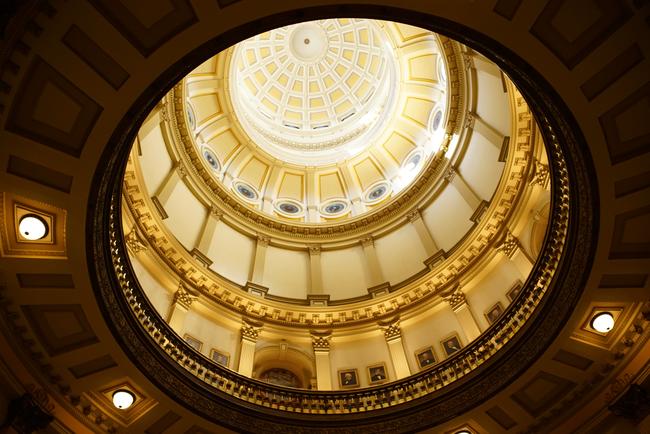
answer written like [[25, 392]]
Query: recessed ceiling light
[[602, 322], [32, 227], [123, 399]]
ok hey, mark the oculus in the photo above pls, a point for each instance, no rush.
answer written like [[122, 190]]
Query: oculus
[[211, 158], [335, 208], [191, 120], [288, 207], [376, 192], [246, 191], [437, 119]]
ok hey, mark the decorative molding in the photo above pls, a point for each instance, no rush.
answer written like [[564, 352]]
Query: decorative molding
[[314, 250], [321, 300], [201, 257], [480, 211], [256, 289], [263, 240]]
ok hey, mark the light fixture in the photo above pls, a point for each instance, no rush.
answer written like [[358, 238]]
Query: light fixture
[[602, 322], [123, 399], [33, 227], [463, 431]]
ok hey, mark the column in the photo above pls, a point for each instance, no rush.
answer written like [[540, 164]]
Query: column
[[315, 271], [393, 335], [209, 227], [249, 334], [267, 198], [313, 213], [511, 247], [478, 125], [321, 343], [257, 270], [181, 304], [372, 261], [456, 299], [480, 63], [167, 187], [354, 191], [428, 243], [463, 188]]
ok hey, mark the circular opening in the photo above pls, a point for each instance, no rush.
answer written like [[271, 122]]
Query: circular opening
[[246, 191], [289, 208], [334, 208], [603, 322], [211, 158], [123, 399], [33, 227]]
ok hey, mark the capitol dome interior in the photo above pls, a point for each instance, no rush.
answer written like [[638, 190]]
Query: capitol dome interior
[[228, 217]]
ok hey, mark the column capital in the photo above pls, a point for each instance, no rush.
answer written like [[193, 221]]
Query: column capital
[[470, 120], [367, 241], [250, 330], [414, 215], [263, 240], [180, 168], [540, 174], [455, 297], [468, 59], [320, 340], [450, 173], [134, 241], [216, 212], [184, 297], [508, 245], [314, 250], [392, 330]]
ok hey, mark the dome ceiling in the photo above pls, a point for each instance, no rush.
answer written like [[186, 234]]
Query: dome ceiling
[[315, 93], [320, 122]]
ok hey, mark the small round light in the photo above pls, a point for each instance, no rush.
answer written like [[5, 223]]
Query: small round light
[[33, 227], [602, 322], [463, 431], [123, 399]]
